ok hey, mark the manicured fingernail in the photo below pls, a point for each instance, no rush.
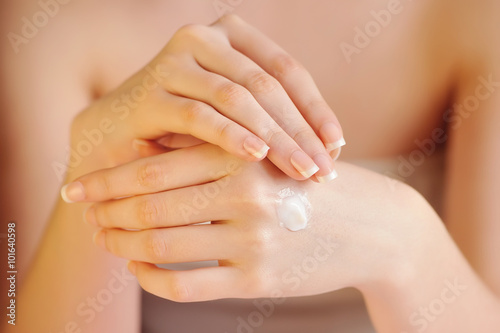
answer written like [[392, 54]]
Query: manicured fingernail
[[335, 145], [73, 192], [335, 148], [303, 164], [326, 172], [256, 147], [137, 144], [89, 216], [330, 133], [328, 178], [132, 267], [100, 239]]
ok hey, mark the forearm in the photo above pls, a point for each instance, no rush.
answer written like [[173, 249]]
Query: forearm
[[440, 293], [72, 283]]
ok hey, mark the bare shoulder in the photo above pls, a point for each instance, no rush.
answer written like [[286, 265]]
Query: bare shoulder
[[57, 57], [44, 82]]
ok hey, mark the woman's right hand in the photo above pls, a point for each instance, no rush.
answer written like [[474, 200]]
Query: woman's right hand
[[226, 84]]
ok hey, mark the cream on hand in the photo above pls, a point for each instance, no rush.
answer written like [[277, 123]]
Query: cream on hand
[[293, 209]]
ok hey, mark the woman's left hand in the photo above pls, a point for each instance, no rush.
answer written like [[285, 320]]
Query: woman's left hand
[[363, 229]]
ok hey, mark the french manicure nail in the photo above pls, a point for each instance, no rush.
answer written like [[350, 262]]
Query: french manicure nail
[[303, 164], [330, 133], [328, 178], [335, 145], [73, 192], [326, 172], [256, 147]]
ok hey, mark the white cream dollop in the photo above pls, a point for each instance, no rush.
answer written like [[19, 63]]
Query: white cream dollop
[[293, 209]]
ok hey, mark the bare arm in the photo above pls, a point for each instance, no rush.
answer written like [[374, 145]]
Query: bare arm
[[473, 190], [43, 86]]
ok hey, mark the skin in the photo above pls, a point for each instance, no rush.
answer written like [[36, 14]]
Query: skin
[[372, 122]]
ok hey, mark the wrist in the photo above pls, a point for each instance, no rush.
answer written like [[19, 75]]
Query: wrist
[[427, 276]]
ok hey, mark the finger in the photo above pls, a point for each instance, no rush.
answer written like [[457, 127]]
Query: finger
[[293, 77], [270, 95], [182, 206], [175, 140], [179, 168], [237, 104], [170, 245], [198, 119], [147, 148], [196, 285]]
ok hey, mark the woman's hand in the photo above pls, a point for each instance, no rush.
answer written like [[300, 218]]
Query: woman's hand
[[226, 84], [363, 229]]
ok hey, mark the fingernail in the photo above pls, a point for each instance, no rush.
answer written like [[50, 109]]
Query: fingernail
[[335, 145], [100, 239], [326, 172], [256, 147], [73, 192], [132, 267], [328, 178], [330, 133], [303, 164], [336, 148], [89, 216], [137, 144], [335, 153]]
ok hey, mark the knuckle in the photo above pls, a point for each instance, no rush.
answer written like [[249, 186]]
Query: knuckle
[[258, 284], [284, 64], [193, 113], [262, 82], [156, 247], [317, 104], [229, 19], [150, 175], [192, 32], [231, 94], [168, 61], [255, 201], [178, 291], [148, 213], [103, 183], [274, 135], [223, 131], [303, 134]]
